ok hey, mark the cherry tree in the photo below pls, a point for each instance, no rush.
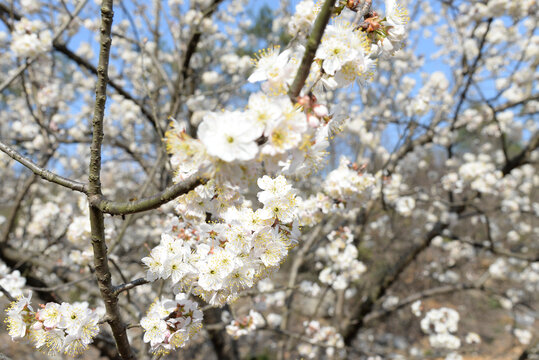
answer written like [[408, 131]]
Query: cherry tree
[[335, 179]]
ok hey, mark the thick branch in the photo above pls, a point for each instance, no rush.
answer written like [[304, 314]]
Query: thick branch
[[524, 156], [383, 281], [99, 245], [149, 203], [43, 173], [310, 50], [441, 290]]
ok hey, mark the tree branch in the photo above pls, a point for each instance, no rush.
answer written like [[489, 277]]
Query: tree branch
[[185, 62], [524, 156], [383, 281], [43, 173], [149, 203], [441, 290], [310, 50], [85, 64], [99, 245], [130, 285]]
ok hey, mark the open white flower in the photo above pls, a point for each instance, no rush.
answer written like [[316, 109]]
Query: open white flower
[[154, 329], [270, 65], [339, 46], [229, 136], [395, 14]]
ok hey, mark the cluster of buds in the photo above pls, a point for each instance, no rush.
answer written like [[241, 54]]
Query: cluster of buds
[[316, 113]]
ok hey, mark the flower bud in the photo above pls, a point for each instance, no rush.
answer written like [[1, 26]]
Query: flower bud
[[320, 110]]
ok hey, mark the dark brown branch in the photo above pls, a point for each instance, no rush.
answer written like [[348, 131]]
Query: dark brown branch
[[10, 222], [524, 156], [382, 282], [185, 62]]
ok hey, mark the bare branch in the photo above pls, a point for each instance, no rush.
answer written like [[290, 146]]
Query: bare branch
[[149, 203], [43, 173], [99, 245], [524, 156], [130, 285]]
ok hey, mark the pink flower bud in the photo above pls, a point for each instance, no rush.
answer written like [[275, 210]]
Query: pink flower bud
[[321, 110]]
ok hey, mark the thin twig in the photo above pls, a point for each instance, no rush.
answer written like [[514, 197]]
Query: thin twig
[[43, 173]]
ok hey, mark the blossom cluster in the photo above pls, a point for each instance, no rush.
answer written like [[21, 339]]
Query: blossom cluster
[[339, 260], [348, 186], [54, 328], [440, 324], [30, 38], [478, 173], [11, 281], [245, 325], [169, 324], [345, 55], [326, 335], [222, 242], [216, 260]]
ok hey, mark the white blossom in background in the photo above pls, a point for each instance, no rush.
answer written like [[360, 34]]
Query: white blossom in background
[[30, 6], [30, 38], [11, 281], [348, 186], [405, 205], [472, 338], [453, 356], [416, 308], [338, 260], [327, 335], [523, 336], [245, 325], [303, 18], [440, 324]]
